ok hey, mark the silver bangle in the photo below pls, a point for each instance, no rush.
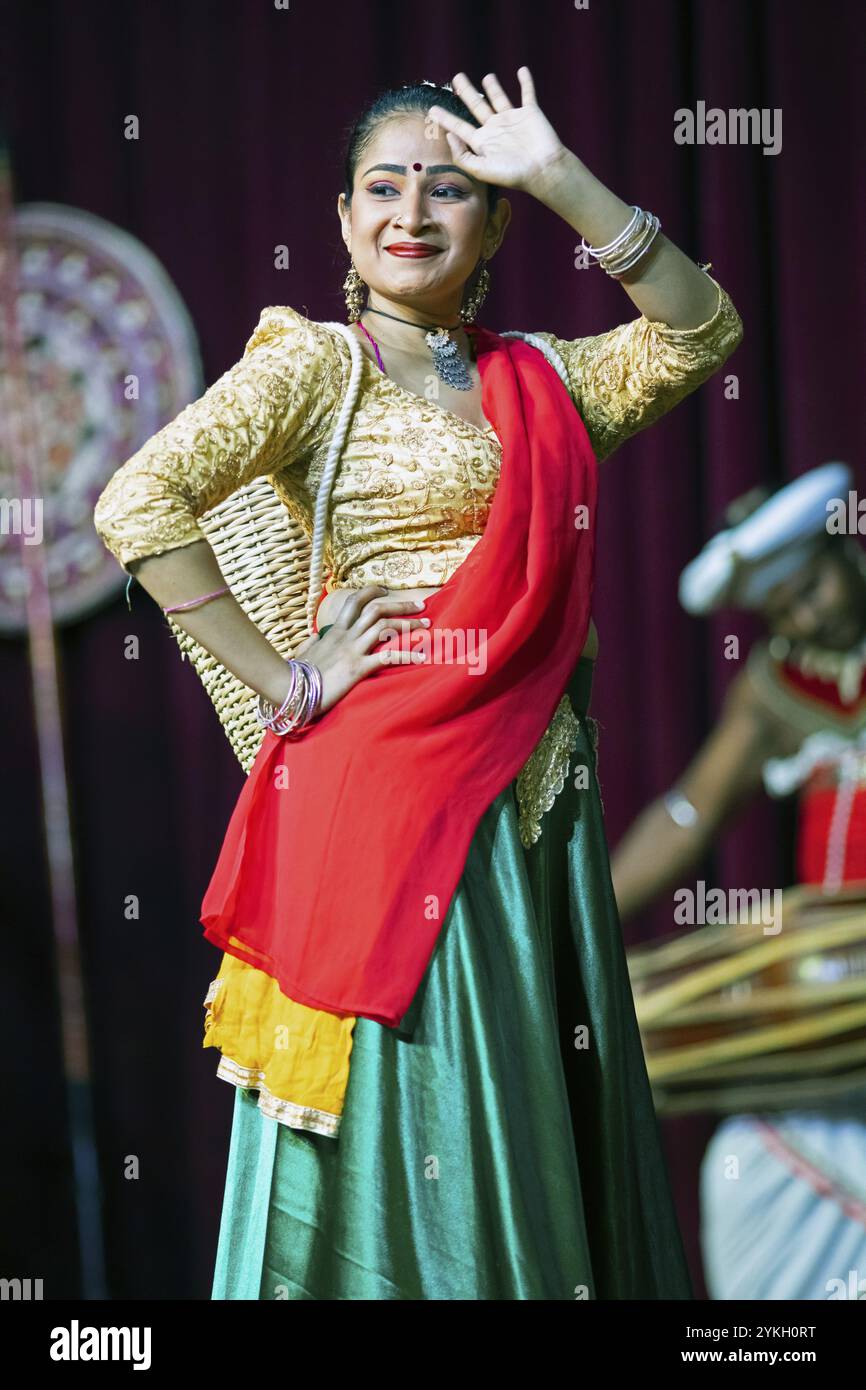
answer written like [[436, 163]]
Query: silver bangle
[[646, 241], [618, 257], [598, 251], [681, 811], [301, 704], [267, 713]]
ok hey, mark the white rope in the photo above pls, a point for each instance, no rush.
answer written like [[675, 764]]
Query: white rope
[[335, 449], [549, 351], [840, 822]]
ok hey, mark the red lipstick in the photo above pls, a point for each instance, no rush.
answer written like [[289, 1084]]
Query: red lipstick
[[411, 249]]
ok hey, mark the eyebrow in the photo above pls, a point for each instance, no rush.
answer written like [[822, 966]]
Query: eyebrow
[[431, 169]]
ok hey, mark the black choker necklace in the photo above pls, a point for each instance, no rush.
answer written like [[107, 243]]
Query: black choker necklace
[[447, 360]]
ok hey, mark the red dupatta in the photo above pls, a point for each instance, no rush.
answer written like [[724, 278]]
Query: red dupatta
[[347, 842]]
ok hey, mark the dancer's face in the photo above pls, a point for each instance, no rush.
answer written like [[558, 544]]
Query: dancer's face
[[422, 197], [824, 603]]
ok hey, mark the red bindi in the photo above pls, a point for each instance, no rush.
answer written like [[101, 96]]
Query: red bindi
[[416, 166]]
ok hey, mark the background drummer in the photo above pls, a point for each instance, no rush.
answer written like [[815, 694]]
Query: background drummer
[[783, 1198]]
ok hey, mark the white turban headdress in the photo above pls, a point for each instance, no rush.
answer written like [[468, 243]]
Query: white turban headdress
[[740, 565]]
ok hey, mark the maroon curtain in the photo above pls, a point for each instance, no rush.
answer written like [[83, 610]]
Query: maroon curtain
[[242, 109]]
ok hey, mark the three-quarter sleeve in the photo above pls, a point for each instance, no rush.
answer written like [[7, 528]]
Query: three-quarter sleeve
[[625, 379], [265, 412]]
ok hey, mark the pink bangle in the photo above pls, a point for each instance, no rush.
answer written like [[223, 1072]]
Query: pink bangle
[[191, 602]]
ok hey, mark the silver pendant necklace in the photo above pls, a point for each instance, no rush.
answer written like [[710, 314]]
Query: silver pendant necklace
[[447, 359]]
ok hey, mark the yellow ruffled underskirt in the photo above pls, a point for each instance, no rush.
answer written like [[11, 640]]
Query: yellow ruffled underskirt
[[297, 1058]]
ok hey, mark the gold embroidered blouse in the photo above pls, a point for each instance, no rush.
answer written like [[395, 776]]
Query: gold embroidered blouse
[[415, 481], [409, 501]]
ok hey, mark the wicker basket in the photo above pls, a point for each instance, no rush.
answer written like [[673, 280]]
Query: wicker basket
[[264, 555]]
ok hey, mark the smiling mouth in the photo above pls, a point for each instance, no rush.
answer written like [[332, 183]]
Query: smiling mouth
[[411, 250]]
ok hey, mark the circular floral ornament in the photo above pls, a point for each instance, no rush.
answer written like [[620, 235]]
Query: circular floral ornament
[[108, 355]]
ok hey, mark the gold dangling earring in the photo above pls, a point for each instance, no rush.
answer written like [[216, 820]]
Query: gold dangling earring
[[476, 298], [354, 287]]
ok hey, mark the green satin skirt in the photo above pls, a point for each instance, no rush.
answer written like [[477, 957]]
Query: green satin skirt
[[502, 1143]]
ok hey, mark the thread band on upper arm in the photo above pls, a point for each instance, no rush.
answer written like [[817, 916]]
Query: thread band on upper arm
[[191, 603]]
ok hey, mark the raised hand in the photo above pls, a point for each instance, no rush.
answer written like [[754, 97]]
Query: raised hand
[[513, 146]]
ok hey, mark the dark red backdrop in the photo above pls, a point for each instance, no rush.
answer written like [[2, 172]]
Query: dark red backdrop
[[242, 107]]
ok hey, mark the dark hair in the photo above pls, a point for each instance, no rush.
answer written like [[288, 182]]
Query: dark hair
[[411, 99]]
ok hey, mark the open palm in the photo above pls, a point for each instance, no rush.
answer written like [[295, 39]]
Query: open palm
[[512, 145]]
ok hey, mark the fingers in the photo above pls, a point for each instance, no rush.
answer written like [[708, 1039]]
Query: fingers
[[370, 616], [460, 150], [356, 602], [475, 100], [483, 107], [399, 657], [492, 86], [379, 609], [387, 628], [455, 124], [527, 87]]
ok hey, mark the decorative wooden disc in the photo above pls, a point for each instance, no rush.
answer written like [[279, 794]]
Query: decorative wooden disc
[[109, 356]]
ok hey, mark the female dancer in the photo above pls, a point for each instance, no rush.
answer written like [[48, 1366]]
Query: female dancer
[[415, 876]]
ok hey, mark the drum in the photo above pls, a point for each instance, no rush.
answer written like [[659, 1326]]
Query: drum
[[734, 1019]]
